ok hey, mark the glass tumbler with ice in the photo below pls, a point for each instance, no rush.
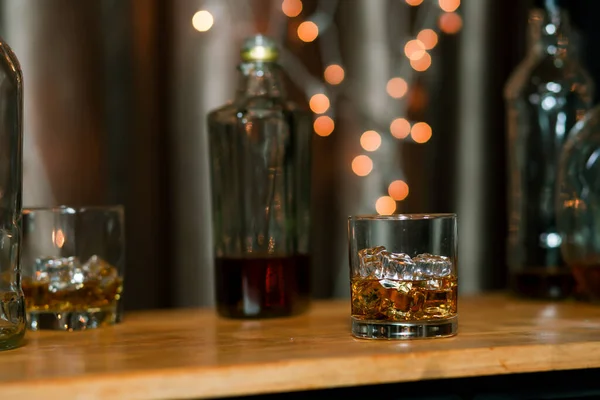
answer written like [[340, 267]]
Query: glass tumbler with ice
[[403, 276], [72, 264]]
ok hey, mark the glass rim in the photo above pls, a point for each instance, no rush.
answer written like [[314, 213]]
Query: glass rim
[[66, 209], [402, 217]]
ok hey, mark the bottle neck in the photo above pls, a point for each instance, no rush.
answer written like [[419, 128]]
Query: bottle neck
[[550, 32], [260, 79]]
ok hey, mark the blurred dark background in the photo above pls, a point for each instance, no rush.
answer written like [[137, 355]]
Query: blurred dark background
[[117, 91]]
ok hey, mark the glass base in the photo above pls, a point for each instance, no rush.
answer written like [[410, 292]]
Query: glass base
[[371, 329], [72, 320], [11, 337]]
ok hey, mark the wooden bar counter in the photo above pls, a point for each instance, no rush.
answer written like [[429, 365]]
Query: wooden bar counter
[[191, 353]]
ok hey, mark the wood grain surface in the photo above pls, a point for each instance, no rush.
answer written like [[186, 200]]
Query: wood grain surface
[[192, 353]]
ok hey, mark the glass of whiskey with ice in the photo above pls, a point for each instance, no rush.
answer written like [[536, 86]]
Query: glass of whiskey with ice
[[72, 264], [403, 276]]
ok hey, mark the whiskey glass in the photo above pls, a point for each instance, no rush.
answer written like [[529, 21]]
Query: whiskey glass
[[72, 266], [403, 276]]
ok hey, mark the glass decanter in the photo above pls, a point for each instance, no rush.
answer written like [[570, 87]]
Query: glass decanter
[[260, 147], [545, 96], [578, 204]]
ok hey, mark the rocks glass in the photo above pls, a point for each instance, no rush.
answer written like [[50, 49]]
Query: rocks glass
[[403, 276], [72, 263]]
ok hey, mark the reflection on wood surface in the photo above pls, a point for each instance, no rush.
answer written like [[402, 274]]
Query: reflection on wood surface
[[192, 353]]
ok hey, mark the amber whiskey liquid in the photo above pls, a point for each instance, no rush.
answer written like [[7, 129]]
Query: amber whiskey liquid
[[87, 296], [400, 301], [262, 287]]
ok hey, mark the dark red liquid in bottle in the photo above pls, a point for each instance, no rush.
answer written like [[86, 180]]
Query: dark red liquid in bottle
[[588, 280], [545, 283], [262, 287]]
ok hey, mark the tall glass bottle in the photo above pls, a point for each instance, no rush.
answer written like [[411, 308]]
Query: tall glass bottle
[[546, 95], [260, 172], [578, 204], [12, 304]]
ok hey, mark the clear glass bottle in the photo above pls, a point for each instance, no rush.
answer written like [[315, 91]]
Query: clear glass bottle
[[578, 204], [12, 304], [260, 147], [545, 96]]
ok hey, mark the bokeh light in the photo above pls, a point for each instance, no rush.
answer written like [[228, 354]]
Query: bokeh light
[[291, 8], [428, 37], [450, 23], [58, 238], [421, 132], [308, 31], [421, 64], [449, 5], [414, 49], [362, 165], [396, 87], [202, 21], [334, 74], [413, 2], [324, 125], [398, 190], [385, 205], [400, 128], [319, 103], [370, 140]]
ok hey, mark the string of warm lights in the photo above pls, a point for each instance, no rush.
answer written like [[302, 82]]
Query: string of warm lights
[[416, 50]]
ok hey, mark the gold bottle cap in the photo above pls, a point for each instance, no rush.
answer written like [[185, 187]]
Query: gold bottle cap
[[259, 48]]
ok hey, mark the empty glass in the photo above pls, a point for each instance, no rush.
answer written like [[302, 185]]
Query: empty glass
[[403, 276], [72, 266]]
